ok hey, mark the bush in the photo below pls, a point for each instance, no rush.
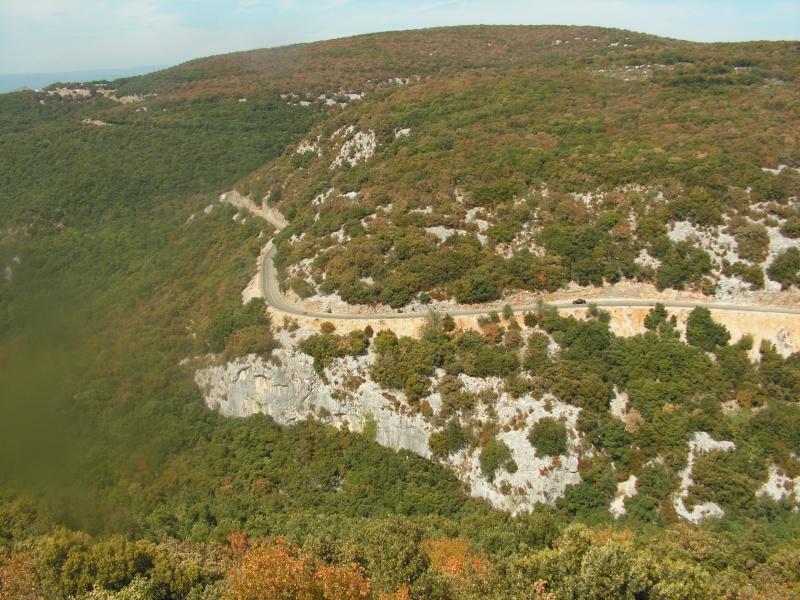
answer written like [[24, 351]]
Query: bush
[[785, 268], [656, 482], [448, 441], [530, 319], [324, 347], [752, 239], [232, 317], [791, 228], [657, 316], [477, 289], [549, 437], [752, 274], [701, 330], [642, 508], [254, 339], [448, 323], [496, 455], [398, 294], [302, 288]]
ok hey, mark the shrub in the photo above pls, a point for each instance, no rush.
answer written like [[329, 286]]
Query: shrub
[[477, 289], [398, 294], [232, 317], [656, 482], [701, 330], [254, 339], [785, 268], [385, 341], [549, 437], [752, 239], [530, 319], [448, 441], [324, 347], [791, 228], [448, 323], [302, 288], [496, 455], [641, 508], [752, 274]]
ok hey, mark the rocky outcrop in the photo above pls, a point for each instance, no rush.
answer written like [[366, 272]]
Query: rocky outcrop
[[781, 487], [289, 390], [625, 489], [701, 443]]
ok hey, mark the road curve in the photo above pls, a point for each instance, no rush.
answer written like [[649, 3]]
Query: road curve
[[274, 298]]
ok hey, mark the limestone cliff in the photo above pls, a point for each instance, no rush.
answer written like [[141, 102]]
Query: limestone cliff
[[289, 390]]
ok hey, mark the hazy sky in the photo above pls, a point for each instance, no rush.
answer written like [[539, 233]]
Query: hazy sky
[[71, 35]]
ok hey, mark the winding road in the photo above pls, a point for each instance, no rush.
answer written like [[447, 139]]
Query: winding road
[[277, 300]]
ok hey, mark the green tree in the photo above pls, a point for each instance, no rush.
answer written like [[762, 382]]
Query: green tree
[[701, 330], [656, 317], [448, 441], [785, 269], [476, 289], [549, 437], [496, 455]]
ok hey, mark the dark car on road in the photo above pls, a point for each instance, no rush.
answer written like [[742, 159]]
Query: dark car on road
[[579, 301]]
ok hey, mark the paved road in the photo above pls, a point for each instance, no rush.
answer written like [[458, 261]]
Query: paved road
[[275, 298]]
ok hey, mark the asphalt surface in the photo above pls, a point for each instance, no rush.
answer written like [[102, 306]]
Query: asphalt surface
[[274, 298]]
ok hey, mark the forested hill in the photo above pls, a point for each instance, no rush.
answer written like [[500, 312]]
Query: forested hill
[[424, 167], [527, 158], [365, 62], [543, 147]]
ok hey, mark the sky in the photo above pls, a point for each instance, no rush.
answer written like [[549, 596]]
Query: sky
[[48, 36]]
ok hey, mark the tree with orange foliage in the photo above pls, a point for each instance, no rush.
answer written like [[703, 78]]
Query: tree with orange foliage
[[18, 579], [271, 569], [402, 593], [468, 573], [492, 333]]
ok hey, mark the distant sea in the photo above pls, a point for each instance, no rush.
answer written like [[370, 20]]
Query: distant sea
[[37, 81]]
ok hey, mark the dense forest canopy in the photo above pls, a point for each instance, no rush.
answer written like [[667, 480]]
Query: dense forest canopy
[[454, 163]]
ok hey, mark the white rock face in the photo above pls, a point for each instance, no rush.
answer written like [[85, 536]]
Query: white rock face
[[321, 197], [538, 478], [619, 404], [357, 149], [308, 146], [292, 391], [701, 443], [625, 489], [780, 486], [444, 232], [645, 260]]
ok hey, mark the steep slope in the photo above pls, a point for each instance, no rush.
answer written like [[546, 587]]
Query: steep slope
[[588, 160]]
